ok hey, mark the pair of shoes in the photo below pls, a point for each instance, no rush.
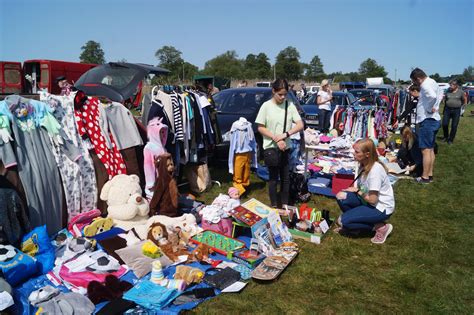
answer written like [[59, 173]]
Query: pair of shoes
[[382, 233], [449, 142], [422, 180]]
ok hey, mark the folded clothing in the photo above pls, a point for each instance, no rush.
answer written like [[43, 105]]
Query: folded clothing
[[53, 301], [150, 295]]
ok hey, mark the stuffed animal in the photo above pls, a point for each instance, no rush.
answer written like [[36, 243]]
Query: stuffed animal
[[157, 133], [188, 274], [98, 226], [165, 195], [158, 234], [126, 206], [167, 242], [186, 222], [201, 253]]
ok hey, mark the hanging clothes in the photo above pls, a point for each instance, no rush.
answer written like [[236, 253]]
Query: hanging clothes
[[33, 152], [90, 122], [79, 182]]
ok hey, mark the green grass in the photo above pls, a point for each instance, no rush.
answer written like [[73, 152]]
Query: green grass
[[425, 266]]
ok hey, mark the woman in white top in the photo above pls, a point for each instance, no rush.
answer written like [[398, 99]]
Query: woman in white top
[[323, 100], [370, 202]]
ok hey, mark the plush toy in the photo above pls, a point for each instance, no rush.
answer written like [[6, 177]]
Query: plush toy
[[188, 274], [151, 250], [167, 242], [201, 253], [98, 226], [126, 206], [158, 234], [157, 133], [186, 222], [165, 195]]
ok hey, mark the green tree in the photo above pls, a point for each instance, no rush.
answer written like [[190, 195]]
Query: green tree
[[92, 53], [468, 74], [354, 76], [189, 70], [170, 58], [257, 66], [369, 69], [314, 70], [288, 65], [226, 65], [436, 77]]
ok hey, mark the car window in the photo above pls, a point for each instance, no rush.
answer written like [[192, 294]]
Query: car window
[[351, 97], [337, 100], [243, 102]]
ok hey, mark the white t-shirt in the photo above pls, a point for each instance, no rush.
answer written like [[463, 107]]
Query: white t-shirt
[[325, 97], [430, 97], [377, 180]]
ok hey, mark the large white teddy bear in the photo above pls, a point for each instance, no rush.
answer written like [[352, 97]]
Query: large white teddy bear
[[126, 206]]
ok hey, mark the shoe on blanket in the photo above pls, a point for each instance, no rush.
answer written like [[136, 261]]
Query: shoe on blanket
[[382, 233]]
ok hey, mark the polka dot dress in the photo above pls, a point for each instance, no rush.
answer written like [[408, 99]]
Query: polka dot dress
[[87, 119]]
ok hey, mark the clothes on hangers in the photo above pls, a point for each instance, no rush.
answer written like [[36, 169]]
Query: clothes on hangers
[[33, 151], [89, 121], [79, 183]]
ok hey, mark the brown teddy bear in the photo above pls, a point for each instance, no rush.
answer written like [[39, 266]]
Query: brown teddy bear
[[188, 274]]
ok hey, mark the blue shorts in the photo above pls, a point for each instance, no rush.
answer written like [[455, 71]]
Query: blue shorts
[[427, 132]]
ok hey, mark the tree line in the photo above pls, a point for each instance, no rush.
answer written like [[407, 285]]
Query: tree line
[[257, 66]]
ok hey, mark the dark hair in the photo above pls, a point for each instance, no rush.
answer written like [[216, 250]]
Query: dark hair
[[417, 73], [454, 82], [414, 87], [280, 84]]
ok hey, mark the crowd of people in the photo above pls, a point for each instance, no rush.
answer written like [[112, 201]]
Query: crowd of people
[[369, 202]]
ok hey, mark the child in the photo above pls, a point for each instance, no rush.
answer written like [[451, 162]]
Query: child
[[242, 153]]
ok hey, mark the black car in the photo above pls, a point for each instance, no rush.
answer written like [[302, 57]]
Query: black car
[[118, 81], [234, 103], [311, 115]]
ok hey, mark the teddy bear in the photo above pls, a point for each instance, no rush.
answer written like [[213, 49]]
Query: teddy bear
[[188, 274], [126, 206], [167, 242], [186, 224]]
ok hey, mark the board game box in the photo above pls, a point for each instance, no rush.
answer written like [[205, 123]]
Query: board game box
[[220, 243]]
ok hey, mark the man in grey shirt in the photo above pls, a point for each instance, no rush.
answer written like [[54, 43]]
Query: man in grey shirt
[[454, 100]]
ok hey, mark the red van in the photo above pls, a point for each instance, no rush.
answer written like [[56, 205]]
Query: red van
[[38, 74]]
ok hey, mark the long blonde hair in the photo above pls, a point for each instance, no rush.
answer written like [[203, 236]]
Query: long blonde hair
[[407, 134], [367, 145]]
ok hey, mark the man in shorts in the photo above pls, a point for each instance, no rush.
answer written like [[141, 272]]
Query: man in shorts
[[428, 120]]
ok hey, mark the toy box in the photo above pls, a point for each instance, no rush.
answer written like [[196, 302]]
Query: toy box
[[220, 243], [248, 258]]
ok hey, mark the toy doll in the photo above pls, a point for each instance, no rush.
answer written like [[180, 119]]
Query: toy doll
[[157, 133]]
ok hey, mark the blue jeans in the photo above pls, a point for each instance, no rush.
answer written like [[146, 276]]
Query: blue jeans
[[357, 216], [451, 114], [324, 120]]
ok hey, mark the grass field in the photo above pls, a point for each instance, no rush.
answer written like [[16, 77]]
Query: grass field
[[425, 266]]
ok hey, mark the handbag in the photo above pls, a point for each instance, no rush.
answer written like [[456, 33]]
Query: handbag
[[221, 278], [272, 156]]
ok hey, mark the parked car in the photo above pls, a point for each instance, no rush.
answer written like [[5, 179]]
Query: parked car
[[365, 96], [119, 82], [444, 87], [312, 111], [351, 85], [312, 89], [469, 90], [384, 89], [245, 102]]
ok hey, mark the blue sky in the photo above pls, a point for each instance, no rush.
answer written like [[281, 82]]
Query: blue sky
[[435, 35]]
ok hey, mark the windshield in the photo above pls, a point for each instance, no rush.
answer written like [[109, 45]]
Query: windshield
[[240, 101], [118, 78]]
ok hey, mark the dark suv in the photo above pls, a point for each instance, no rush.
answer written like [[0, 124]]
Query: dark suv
[[242, 102]]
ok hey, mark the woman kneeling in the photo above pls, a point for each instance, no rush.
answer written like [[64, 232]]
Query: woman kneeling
[[370, 202]]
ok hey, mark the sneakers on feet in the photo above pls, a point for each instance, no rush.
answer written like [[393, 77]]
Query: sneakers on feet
[[382, 233], [422, 180]]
